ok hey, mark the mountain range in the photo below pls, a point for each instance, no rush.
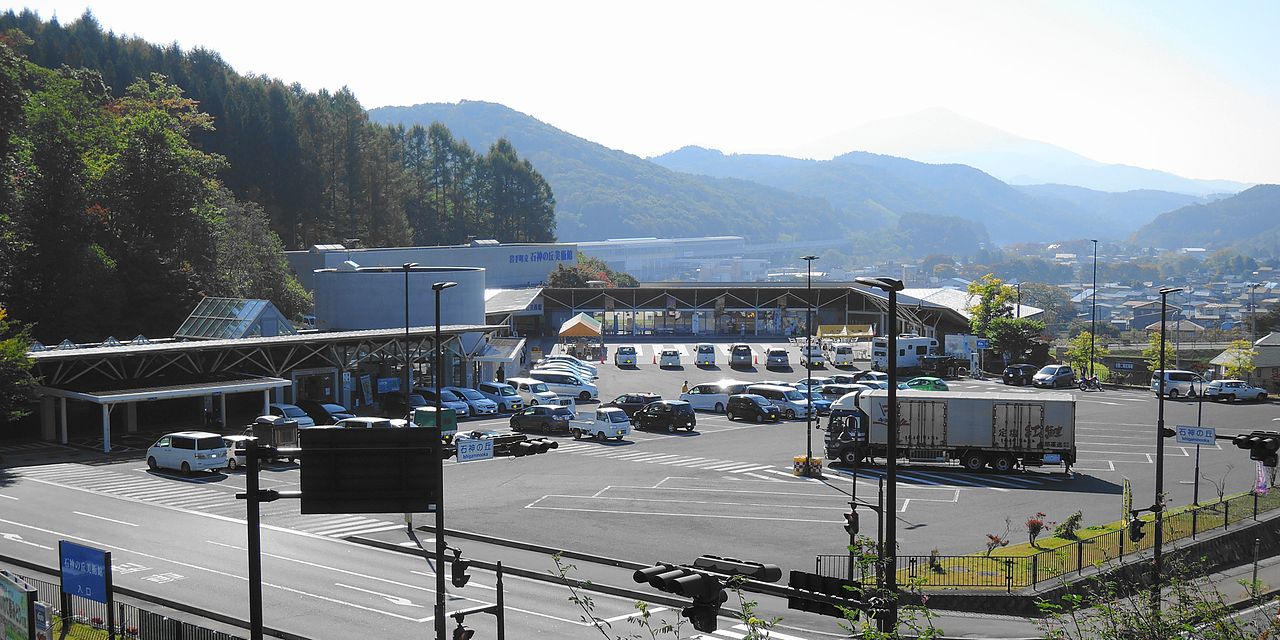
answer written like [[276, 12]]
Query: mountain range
[[1248, 222], [604, 193]]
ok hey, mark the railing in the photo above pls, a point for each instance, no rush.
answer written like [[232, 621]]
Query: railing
[[1009, 573], [76, 618]]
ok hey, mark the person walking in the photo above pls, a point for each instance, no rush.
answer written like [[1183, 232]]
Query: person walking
[[685, 387], [502, 373]]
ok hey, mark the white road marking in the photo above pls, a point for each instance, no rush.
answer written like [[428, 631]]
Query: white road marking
[[90, 515], [13, 537], [7, 497], [404, 602]]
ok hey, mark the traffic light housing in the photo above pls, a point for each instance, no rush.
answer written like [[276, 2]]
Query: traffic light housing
[[706, 590], [462, 633], [458, 570], [532, 446], [1136, 534], [1262, 446], [851, 522], [824, 594], [736, 567]]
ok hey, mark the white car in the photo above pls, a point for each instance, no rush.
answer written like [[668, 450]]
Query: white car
[[362, 422], [292, 412], [532, 391], [564, 367], [577, 362], [565, 383], [812, 357], [188, 451], [669, 358], [624, 356], [502, 394], [1229, 390], [479, 405], [705, 355]]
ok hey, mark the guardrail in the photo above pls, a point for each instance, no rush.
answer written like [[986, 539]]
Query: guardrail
[[1010, 572]]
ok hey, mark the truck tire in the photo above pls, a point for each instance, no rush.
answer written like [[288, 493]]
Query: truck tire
[[1003, 463], [850, 456], [601, 436], [576, 433], [974, 461]]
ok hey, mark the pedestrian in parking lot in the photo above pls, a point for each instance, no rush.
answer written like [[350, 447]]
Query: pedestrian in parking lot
[[684, 388], [502, 373]]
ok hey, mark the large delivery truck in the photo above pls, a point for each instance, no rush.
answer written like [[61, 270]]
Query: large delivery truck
[[1002, 431]]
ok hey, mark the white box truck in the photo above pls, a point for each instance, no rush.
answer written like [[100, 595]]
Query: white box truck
[[977, 429]]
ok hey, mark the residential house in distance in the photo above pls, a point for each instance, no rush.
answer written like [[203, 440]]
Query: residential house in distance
[[1267, 363]]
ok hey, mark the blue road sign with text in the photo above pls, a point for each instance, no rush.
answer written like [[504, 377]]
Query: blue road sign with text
[[86, 572], [470, 449], [983, 343], [1196, 435]]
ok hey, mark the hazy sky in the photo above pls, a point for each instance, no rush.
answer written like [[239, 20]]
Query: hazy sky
[[1187, 87]]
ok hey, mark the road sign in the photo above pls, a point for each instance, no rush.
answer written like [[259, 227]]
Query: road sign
[[983, 343], [86, 572], [1196, 435], [1124, 365], [370, 470], [471, 449]]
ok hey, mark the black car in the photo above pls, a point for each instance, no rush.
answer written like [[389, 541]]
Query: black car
[[632, 402], [393, 404], [1019, 374], [665, 414], [544, 418], [749, 406], [325, 412]]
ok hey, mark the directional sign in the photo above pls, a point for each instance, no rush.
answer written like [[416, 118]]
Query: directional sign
[[17, 602], [86, 572], [1196, 435], [983, 343], [470, 449]]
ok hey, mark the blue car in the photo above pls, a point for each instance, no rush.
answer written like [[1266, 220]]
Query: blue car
[[820, 404]]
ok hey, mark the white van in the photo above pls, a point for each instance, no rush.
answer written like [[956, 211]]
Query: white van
[[790, 402], [188, 451], [532, 391], [706, 355], [713, 396], [503, 394], [841, 354], [811, 357], [1187, 384], [563, 383]]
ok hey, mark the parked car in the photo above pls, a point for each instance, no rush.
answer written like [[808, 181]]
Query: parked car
[[841, 354], [544, 418], [393, 403], [324, 412], [788, 401], [776, 358], [569, 368], [632, 402], [566, 402], [740, 356], [845, 378], [836, 391], [705, 355], [1229, 390], [292, 412], [236, 454], [749, 406], [667, 415], [669, 358], [568, 359], [812, 358], [624, 356], [821, 405], [1178, 383], [502, 394], [448, 400], [815, 382], [372, 422], [1019, 374], [532, 391], [477, 404], [865, 377], [563, 383], [609, 422], [1054, 375], [925, 383], [188, 451], [713, 396]]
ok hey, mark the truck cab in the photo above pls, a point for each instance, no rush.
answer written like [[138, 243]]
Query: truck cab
[[846, 438], [609, 422]]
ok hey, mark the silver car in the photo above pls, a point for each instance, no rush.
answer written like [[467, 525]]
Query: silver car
[[1229, 390]]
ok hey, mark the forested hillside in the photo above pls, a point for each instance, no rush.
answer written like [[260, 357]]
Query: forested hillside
[[312, 160], [1248, 222]]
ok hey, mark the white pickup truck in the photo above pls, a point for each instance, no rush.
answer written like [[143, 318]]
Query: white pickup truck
[[609, 422]]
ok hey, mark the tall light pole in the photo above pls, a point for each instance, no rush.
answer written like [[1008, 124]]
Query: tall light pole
[[889, 559], [1158, 506], [808, 368], [1253, 313], [408, 266], [1093, 295], [440, 546]]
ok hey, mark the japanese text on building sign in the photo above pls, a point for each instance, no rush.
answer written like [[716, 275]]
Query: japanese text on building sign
[[554, 255]]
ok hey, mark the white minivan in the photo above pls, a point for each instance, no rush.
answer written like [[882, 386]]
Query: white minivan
[[188, 451], [1187, 384], [705, 355], [532, 391], [841, 354], [790, 402], [713, 396], [563, 383]]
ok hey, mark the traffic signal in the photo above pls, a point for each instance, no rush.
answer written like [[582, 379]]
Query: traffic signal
[[458, 573], [462, 633], [851, 523], [533, 446], [1262, 446], [706, 590], [828, 591], [1135, 529], [736, 567]]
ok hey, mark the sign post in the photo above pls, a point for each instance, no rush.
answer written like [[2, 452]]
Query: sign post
[[17, 608], [86, 573]]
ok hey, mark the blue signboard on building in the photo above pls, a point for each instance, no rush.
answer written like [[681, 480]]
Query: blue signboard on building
[[86, 572]]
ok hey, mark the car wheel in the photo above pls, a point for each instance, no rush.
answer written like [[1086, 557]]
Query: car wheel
[[584, 396], [151, 463], [1003, 463], [1229, 398], [720, 408], [849, 456], [671, 428], [791, 415], [974, 462], [533, 402], [1173, 394], [186, 469], [231, 463], [576, 433], [1262, 397], [759, 418], [729, 415], [601, 436]]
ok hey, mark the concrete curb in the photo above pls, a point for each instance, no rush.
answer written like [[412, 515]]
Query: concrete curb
[[164, 602]]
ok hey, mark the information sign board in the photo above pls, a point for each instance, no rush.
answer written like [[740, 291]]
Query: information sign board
[[17, 608], [86, 572], [471, 449], [983, 343], [1197, 435]]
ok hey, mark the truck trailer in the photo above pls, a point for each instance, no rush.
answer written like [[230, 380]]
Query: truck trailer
[[977, 429]]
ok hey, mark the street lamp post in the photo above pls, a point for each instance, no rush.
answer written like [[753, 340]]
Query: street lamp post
[[440, 545], [889, 555], [1158, 506], [1093, 295], [408, 266], [808, 368]]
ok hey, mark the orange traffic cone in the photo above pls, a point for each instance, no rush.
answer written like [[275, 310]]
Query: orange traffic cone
[[757, 359], [655, 358]]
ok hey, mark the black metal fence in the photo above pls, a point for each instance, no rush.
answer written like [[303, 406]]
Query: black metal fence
[[1009, 573], [77, 618]]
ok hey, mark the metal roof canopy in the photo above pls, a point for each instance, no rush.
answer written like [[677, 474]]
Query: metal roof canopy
[[186, 390]]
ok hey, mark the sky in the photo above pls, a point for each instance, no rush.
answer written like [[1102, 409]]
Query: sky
[[1188, 87]]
